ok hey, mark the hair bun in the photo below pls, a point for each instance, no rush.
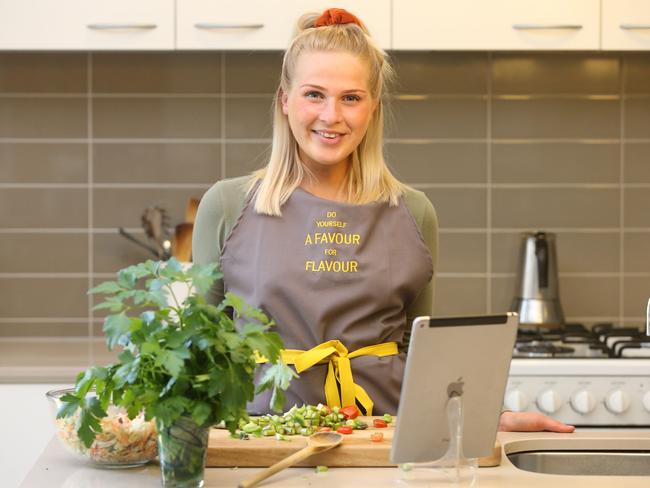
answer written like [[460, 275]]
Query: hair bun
[[334, 16]]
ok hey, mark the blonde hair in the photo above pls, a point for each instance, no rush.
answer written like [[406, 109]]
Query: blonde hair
[[369, 179]]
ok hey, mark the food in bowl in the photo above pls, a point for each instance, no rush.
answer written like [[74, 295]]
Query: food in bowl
[[122, 443]]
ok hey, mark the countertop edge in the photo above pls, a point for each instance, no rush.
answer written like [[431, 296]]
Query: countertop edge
[[39, 374]]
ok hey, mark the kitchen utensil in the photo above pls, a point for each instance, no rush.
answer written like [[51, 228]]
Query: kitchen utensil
[[155, 222], [190, 210], [318, 442], [537, 299], [182, 242], [130, 237], [123, 443]]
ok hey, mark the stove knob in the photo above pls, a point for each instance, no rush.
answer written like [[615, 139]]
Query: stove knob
[[517, 401], [617, 402], [646, 401], [583, 402], [549, 401]]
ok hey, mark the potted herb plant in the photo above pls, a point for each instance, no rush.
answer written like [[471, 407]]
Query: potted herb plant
[[185, 362]]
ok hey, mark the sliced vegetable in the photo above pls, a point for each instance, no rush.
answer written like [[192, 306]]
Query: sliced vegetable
[[344, 429], [379, 423], [321, 469], [360, 424], [251, 427], [350, 412], [388, 418], [324, 409], [377, 436], [268, 432], [303, 420]]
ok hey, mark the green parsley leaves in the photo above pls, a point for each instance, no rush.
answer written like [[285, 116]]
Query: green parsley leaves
[[180, 357]]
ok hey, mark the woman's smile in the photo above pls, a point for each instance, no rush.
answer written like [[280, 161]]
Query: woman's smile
[[329, 107], [328, 137]]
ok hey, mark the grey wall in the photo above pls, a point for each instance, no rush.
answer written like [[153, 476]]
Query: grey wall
[[500, 142]]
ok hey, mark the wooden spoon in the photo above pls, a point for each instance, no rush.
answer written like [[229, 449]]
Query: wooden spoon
[[190, 210], [318, 442], [182, 242]]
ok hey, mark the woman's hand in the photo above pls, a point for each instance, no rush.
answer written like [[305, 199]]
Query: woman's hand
[[531, 422]]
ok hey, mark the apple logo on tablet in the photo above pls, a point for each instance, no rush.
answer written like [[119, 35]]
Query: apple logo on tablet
[[455, 388]]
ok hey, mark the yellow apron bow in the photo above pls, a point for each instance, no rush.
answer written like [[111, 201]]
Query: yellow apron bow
[[337, 357]]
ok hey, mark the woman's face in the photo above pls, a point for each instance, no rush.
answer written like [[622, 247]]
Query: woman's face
[[329, 107]]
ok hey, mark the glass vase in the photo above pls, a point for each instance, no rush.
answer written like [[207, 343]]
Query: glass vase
[[182, 448]]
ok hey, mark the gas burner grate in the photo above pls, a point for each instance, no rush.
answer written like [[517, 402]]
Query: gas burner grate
[[545, 351]]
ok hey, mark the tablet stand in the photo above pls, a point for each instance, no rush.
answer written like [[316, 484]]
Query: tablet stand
[[453, 468]]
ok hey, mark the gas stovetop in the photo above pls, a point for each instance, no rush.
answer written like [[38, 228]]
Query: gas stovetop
[[576, 341], [597, 377]]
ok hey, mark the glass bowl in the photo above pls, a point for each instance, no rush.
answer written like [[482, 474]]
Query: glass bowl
[[123, 443]]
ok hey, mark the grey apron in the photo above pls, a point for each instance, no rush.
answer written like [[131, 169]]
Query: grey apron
[[329, 270]]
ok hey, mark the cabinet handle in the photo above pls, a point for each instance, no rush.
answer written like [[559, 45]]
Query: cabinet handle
[[635, 26], [121, 26], [210, 25], [546, 26]]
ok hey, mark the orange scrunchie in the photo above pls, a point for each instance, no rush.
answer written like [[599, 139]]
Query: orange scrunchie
[[333, 16]]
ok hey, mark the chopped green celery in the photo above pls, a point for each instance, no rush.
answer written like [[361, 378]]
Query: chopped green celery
[[250, 427]]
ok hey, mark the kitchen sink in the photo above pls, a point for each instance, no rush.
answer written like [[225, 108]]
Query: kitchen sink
[[596, 463], [582, 456]]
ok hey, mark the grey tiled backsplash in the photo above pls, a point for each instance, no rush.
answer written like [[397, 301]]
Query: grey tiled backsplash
[[500, 142]]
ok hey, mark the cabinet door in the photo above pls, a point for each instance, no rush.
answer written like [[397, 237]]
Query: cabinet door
[[86, 24], [496, 24], [626, 24], [264, 24]]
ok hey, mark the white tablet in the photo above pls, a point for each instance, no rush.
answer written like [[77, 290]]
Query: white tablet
[[469, 356]]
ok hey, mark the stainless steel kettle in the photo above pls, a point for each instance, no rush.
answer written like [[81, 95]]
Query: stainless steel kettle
[[537, 295]]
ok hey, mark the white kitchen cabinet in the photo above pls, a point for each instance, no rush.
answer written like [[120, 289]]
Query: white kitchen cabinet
[[626, 25], [86, 24], [264, 24], [496, 24]]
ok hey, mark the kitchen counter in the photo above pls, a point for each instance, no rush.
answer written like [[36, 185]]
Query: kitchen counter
[[57, 361], [57, 468]]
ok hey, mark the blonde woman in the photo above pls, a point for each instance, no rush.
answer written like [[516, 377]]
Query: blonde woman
[[324, 238]]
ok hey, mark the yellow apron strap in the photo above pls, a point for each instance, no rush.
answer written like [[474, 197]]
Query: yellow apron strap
[[383, 349], [342, 366], [316, 354], [289, 355], [332, 397], [339, 369], [364, 399]]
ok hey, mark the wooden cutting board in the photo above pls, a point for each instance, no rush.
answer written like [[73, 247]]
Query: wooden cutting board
[[357, 450]]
